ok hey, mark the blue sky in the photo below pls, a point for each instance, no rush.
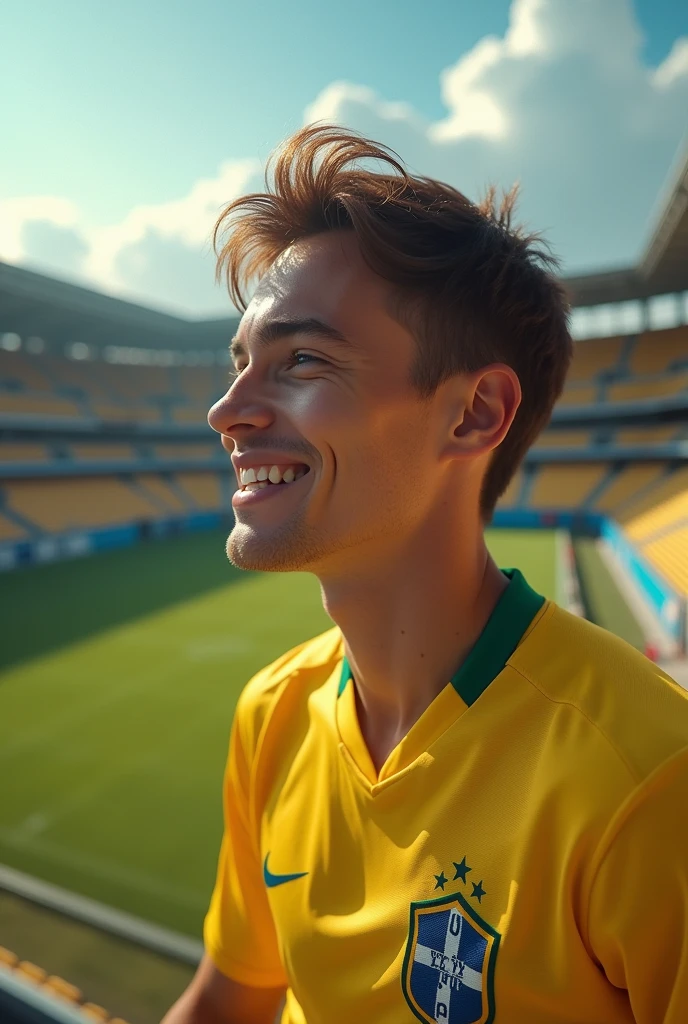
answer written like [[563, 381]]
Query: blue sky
[[130, 124]]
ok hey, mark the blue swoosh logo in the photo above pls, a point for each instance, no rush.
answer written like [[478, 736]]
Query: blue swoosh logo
[[272, 880]]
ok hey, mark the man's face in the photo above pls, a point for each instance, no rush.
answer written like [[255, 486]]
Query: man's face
[[344, 411]]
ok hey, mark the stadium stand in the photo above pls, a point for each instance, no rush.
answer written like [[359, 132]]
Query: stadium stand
[[52, 992]]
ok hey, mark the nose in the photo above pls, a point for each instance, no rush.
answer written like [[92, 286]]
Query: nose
[[239, 408]]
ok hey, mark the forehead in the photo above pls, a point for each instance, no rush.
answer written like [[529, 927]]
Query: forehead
[[325, 278]]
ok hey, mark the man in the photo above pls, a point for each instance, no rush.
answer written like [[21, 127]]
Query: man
[[462, 803]]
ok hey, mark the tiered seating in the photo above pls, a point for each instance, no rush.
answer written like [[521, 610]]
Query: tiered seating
[[667, 488], [204, 488], [565, 486], [21, 451], [646, 435], [10, 530], [18, 369], [40, 405], [564, 439], [578, 394], [625, 370], [76, 502], [162, 495], [51, 985], [187, 451], [670, 554], [102, 452], [636, 390], [511, 495], [52, 385], [661, 531], [660, 351], [590, 358], [631, 481]]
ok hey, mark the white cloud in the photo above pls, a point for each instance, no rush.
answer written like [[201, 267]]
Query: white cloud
[[159, 253], [562, 103]]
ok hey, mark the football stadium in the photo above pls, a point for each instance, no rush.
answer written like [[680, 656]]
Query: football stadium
[[127, 636]]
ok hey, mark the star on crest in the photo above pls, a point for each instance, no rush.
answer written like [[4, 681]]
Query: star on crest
[[478, 891], [462, 870], [441, 881]]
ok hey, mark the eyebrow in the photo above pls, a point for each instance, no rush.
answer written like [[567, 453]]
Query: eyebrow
[[275, 330]]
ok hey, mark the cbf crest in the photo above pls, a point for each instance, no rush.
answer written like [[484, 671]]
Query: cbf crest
[[448, 972]]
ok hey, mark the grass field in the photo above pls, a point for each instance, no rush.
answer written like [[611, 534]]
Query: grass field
[[120, 675]]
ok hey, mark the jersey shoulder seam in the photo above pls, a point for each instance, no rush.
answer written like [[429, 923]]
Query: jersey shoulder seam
[[636, 779]]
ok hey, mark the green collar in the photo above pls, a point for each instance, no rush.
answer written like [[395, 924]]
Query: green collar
[[511, 616]]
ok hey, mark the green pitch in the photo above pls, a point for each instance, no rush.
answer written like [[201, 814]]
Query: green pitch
[[120, 676]]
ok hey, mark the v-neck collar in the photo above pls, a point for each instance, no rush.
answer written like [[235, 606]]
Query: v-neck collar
[[511, 616]]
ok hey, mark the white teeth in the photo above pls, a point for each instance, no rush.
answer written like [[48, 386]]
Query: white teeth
[[260, 475]]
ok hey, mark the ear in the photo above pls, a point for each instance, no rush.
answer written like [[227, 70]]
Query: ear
[[490, 398]]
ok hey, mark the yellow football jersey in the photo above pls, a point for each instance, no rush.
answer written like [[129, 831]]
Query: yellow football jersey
[[522, 856]]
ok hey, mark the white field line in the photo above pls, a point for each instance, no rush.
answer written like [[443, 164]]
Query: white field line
[[115, 922], [568, 587], [650, 623]]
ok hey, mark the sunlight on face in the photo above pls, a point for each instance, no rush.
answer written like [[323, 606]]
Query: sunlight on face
[[343, 406]]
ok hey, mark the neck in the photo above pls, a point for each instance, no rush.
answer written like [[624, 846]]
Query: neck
[[409, 617]]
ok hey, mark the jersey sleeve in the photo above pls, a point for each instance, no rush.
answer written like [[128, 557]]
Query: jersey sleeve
[[239, 932], [638, 920]]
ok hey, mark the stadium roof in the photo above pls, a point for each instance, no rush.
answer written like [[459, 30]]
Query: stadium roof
[[663, 266], [32, 304], [61, 312]]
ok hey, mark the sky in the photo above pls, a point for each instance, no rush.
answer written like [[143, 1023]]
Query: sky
[[127, 127]]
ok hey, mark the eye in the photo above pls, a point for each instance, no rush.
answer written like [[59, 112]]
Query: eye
[[298, 355]]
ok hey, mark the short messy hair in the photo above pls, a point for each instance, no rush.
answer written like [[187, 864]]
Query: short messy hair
[[472, 287]]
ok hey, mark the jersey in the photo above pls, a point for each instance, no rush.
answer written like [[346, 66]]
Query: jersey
[[521, 856]]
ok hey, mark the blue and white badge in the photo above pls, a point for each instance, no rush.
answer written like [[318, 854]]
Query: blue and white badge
[[448, 972]]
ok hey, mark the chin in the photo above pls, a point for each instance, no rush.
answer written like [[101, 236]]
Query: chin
[[281, 552]]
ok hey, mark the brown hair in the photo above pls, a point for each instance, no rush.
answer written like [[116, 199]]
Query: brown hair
[[473, 288]]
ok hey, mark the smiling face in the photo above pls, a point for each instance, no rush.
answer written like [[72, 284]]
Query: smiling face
[[334, 401]]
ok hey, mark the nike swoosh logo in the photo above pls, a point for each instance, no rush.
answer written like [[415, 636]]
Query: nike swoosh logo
[[272, 880]]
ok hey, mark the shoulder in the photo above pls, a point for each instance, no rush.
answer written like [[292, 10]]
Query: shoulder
[[302, 668], [641, 712]]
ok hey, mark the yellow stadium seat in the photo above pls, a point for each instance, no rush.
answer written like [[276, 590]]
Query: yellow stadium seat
[[592, 356], [23, 368], [30, 972], [627, 483], [636, 390], [646, 435], [8, 958], [158, 488], [510, 496], [76, 502], [563, 439], [56, 986], [578, 395], [655, 351], [17, 451], [565, 487], [91, 1011], [204, 488], [39, 405], [102, 452]]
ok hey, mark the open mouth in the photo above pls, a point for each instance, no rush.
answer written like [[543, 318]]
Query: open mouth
[[256, 478]]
